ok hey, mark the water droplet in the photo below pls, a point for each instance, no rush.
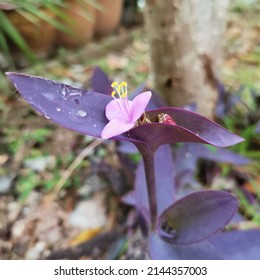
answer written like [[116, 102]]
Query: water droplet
[[75, 94], [94, 125], [82, 113], [188, 155], [64, 93], [166, 232], [197, 134], [76, 101], [49, 95], [58, 109], [47, 117]]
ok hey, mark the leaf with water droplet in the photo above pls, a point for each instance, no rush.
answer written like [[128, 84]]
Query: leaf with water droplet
[[82, 113], [53, 100]]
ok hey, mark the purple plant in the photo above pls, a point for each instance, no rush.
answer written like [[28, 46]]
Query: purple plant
[[184, 225]]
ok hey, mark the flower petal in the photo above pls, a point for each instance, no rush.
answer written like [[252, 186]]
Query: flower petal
[[139, 104], [116, 109], [127, 110], [115, 127]]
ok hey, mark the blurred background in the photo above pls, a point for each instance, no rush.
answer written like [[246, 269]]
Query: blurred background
[[55, 194]]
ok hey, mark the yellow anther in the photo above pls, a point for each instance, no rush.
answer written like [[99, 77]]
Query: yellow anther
[[124, 94], [114, 84], [124, 84], [120, 90]]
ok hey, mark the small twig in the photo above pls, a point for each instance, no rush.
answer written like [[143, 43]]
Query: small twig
[[67, 173]]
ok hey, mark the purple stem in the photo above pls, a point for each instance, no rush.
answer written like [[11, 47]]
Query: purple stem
[[151, 188]]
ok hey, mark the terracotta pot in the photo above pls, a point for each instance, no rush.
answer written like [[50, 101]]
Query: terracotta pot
[[38, 36], [108, 19], [81, 26]]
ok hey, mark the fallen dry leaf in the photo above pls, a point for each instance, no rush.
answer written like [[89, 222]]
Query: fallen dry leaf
[[3, 159], [85, 236], [117, 62]]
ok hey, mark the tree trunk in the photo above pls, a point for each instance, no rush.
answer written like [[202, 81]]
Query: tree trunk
[[185, 38]]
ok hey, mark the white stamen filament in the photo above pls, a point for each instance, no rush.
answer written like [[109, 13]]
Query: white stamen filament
[[121, 91]]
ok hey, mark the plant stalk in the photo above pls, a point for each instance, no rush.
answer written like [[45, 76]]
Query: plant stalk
[[151, 187]]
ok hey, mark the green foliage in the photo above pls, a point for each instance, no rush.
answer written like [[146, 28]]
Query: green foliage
[[30, 180], [250, 147], [26, 184], [242, 119], [240, 6], [135, 157], [15, 142], [32, 11], [9, 30], [47, 179], [212, 148], [249, 209]]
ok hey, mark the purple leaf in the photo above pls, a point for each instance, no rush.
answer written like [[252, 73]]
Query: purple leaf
[[164, 175], [238, 245], [218, 155], [71, 107], [100, 82], [165, 191], [186, 183], [197, 216], [237, 218], [127, 148], [226, 101], [188, 155], [257, 129], [190, 127], [161, 250]]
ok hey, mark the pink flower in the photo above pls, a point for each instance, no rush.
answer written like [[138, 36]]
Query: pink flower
[[123, 113]]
